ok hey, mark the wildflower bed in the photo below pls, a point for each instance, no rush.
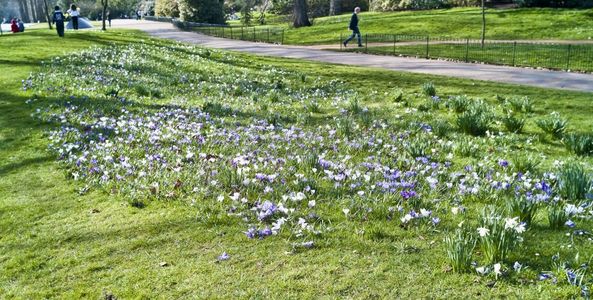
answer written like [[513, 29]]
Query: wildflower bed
[[295, 158]]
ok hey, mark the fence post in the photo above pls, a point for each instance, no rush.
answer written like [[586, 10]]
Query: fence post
[[366, 43], [268, 35], [568, 58], [341, 43], [467, 50], [231, 33], [254, 34], [223, 32], [427, 41], [242, 38], [282, 38], [394, 41], [514, 52]]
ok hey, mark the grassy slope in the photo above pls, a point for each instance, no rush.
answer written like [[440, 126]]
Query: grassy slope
[[52, 244], [456, 23]]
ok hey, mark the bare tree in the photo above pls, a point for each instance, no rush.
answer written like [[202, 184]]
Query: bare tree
[[300, 18], [47, 13], [262, 11], [334, 7], [104, 4]]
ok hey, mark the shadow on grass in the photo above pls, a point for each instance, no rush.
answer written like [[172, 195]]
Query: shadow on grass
[[6, 169]]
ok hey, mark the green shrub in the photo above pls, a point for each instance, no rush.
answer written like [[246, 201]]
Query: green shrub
[[557, 215], [313, 106], [354, 107], [573, 182], [579, 144], [345, 126], [554, 125], [520, 104], [460, 247], [524, 163], [458, 104], [441, 128], [201, 11], [523, 207], [498, 235], [513, 124], [429, 89], [418, 147], [475, 121], [166, 8]]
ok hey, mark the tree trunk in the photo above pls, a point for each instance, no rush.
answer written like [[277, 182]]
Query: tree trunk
[[46, 7], [105, 3], [24, 8], [30, 14], [300, 14], [41, 11], [483, 23], [334, 7]]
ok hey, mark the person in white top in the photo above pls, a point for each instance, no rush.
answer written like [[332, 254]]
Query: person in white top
[[74, 13]]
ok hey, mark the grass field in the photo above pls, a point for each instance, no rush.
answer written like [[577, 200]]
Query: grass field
[[513, 24], [173, 131], [451, 25]]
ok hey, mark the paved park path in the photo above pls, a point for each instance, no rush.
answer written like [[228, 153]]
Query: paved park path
[[512, 75]]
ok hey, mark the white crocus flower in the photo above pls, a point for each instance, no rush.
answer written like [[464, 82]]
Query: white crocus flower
[[407, 218], [483, 231], [511, 223], [517, 266], [520, 228], [497, 269]]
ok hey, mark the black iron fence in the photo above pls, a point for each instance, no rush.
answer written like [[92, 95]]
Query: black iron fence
[[158, 19], [245, 33], [271, 35], [557, 56]]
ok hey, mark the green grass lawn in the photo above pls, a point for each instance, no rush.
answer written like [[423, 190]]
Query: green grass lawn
[[555, 57], [88, 238], [514, 24]]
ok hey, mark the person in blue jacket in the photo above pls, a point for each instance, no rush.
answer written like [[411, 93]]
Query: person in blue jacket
[[354, 27], [21, 25], [58, 19]]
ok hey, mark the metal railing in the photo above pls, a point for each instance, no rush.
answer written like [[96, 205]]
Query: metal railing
[[245, 33], [158, 19], [557, 56]]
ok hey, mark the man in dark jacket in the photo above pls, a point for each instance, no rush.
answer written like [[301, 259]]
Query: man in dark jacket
[[354, 27], [58, 19]]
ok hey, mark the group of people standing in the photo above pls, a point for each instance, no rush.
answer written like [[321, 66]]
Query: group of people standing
[[58, 18]]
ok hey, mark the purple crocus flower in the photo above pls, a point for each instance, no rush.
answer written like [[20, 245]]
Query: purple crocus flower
[[223, 256], [544, 276], [250, 233]]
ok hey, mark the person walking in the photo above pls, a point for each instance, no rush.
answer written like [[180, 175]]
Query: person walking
[[354, 27], [74, 13], [58, 19], [109, 18]]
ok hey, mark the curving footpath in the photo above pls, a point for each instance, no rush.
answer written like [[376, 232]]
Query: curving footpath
[[503, 74]]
